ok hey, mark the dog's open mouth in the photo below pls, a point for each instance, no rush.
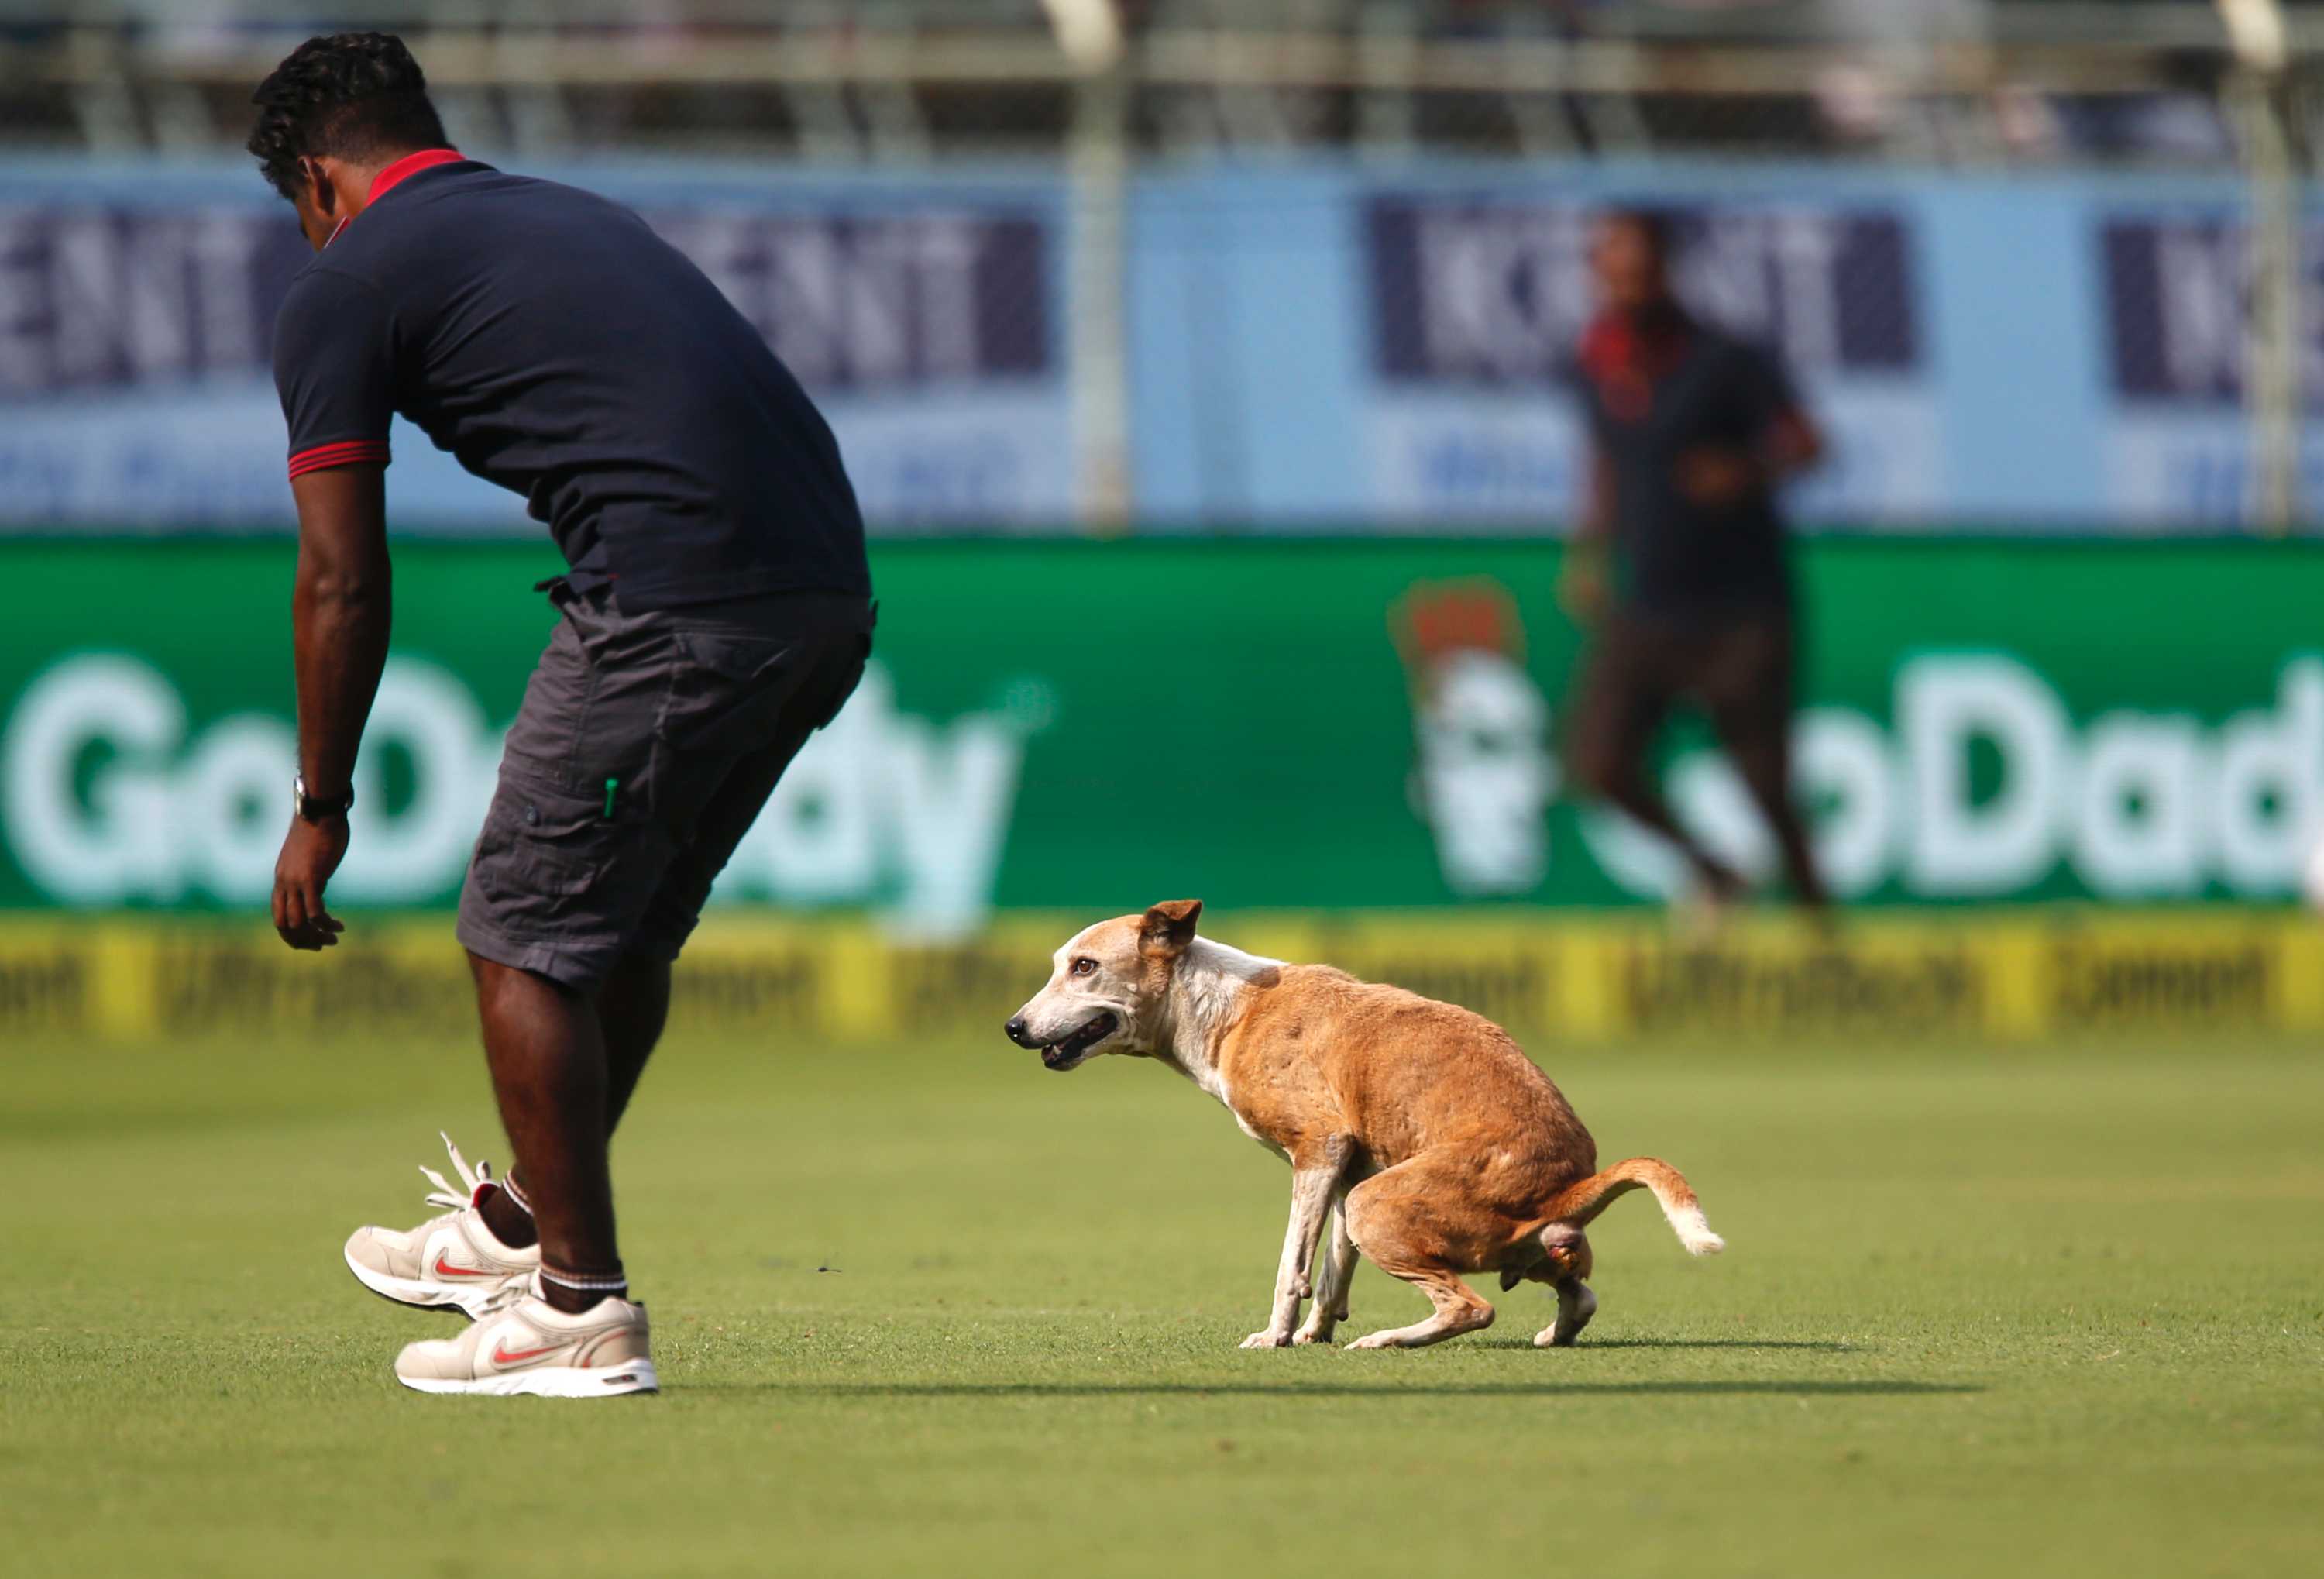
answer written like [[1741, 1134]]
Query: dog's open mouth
[[1065, 1055]]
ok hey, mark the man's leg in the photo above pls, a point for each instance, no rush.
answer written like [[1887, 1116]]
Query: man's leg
[[1623, 784], [566, 1058], [547, 1051], [572, 1331], [632, 1007], [1618, 708], [1751, 713], [1761, 750]]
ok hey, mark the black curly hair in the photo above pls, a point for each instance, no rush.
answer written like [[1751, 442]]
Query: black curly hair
[[352, 96]]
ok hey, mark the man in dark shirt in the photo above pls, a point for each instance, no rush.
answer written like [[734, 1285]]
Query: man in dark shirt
[[716, 614], [1679, 565]]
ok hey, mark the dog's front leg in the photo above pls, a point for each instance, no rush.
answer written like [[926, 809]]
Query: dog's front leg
[[1331, 1307], [1311, 1197]]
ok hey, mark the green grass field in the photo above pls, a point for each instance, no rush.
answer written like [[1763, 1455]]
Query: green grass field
[[929, 1310]]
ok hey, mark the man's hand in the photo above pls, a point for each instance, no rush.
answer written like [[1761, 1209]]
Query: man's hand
[[1716, 478], [1583, 588], [311, 852]]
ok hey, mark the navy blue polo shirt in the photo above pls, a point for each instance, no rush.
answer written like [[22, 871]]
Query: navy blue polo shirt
[[1651, 392], [557, 346]]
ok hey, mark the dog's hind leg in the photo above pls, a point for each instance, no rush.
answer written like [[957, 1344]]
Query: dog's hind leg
[[1575, 1306], [1458, 1309], [1407, 1220], [1565, 1261], [1339, 1270]]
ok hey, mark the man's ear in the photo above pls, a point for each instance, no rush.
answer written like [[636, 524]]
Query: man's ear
[[318, 182], [1168, 927]]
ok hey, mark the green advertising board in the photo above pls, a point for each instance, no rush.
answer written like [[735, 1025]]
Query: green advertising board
[[1084, 725]]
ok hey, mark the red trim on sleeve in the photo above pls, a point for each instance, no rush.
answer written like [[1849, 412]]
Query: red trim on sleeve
[[411, 164], [348, 452]]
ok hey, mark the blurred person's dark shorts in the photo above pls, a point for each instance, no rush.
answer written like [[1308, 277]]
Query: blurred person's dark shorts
[[647, 744], [1736, 666]]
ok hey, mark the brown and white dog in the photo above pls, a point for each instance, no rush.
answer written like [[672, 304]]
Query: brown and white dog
[[1430, 1140]]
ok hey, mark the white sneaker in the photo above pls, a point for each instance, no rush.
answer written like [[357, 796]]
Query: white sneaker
[[447, 1261], [531, 1346]]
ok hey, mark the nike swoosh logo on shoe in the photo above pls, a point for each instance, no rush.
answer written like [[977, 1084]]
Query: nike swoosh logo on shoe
[[502, 1357], [444, 1268]]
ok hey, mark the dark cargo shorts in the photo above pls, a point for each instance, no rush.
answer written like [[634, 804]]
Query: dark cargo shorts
[[1735, 666], [645, 748]]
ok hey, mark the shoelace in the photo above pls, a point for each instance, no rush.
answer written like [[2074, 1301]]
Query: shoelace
[[473, 1180], [506, 1295], [444, 1194]]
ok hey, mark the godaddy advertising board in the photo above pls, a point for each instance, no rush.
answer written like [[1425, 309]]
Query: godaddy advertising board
[[1083, 726], [1348, 749]]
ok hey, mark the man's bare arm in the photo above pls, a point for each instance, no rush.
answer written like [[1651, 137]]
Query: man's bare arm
[[340, 610], [1794, 445], [1584, 589], [1718, 477], [339, 614]]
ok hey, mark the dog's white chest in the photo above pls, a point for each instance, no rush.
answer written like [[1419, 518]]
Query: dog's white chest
[[1214, 1086], [1215, 1083], [1243, 1124], [1262, 1140]]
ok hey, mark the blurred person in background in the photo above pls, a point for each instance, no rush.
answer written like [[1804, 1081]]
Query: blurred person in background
[[1679, 569]]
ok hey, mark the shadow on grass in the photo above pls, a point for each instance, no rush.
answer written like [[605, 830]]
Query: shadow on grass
[[1820, 1348], [1387, 1390]]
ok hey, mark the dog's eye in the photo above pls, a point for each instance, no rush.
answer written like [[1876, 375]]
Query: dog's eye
[[1085, 966]]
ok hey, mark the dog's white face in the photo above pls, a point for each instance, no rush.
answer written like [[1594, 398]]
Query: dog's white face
[[1106, 987]]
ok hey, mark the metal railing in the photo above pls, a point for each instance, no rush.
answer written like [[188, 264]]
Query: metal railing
[[906, 79], [2230, 87]]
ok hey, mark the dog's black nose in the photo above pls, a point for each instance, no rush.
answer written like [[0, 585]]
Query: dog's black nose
[[1015, 1032]]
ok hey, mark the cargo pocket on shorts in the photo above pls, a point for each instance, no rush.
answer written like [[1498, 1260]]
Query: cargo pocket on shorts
[[725, 692], [552, 866]]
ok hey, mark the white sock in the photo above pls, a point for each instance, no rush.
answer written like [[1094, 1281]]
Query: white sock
[[617, 1286]]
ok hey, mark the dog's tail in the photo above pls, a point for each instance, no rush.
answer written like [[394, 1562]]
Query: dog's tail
[[1579, 1203]]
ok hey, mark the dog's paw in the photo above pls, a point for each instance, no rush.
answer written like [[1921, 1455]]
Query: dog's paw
[[1269, 1339], [1573, 1315], [1374, 1341], [1308, 1334]]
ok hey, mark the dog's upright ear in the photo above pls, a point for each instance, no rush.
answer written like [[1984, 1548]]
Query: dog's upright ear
[[1168, 927]]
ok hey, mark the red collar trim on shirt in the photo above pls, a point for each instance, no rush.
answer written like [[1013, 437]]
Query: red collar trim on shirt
[[1619, 345], [411, 164], [387, 180]]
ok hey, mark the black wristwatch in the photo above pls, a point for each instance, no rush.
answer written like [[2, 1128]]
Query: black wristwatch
[[312, 809]]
